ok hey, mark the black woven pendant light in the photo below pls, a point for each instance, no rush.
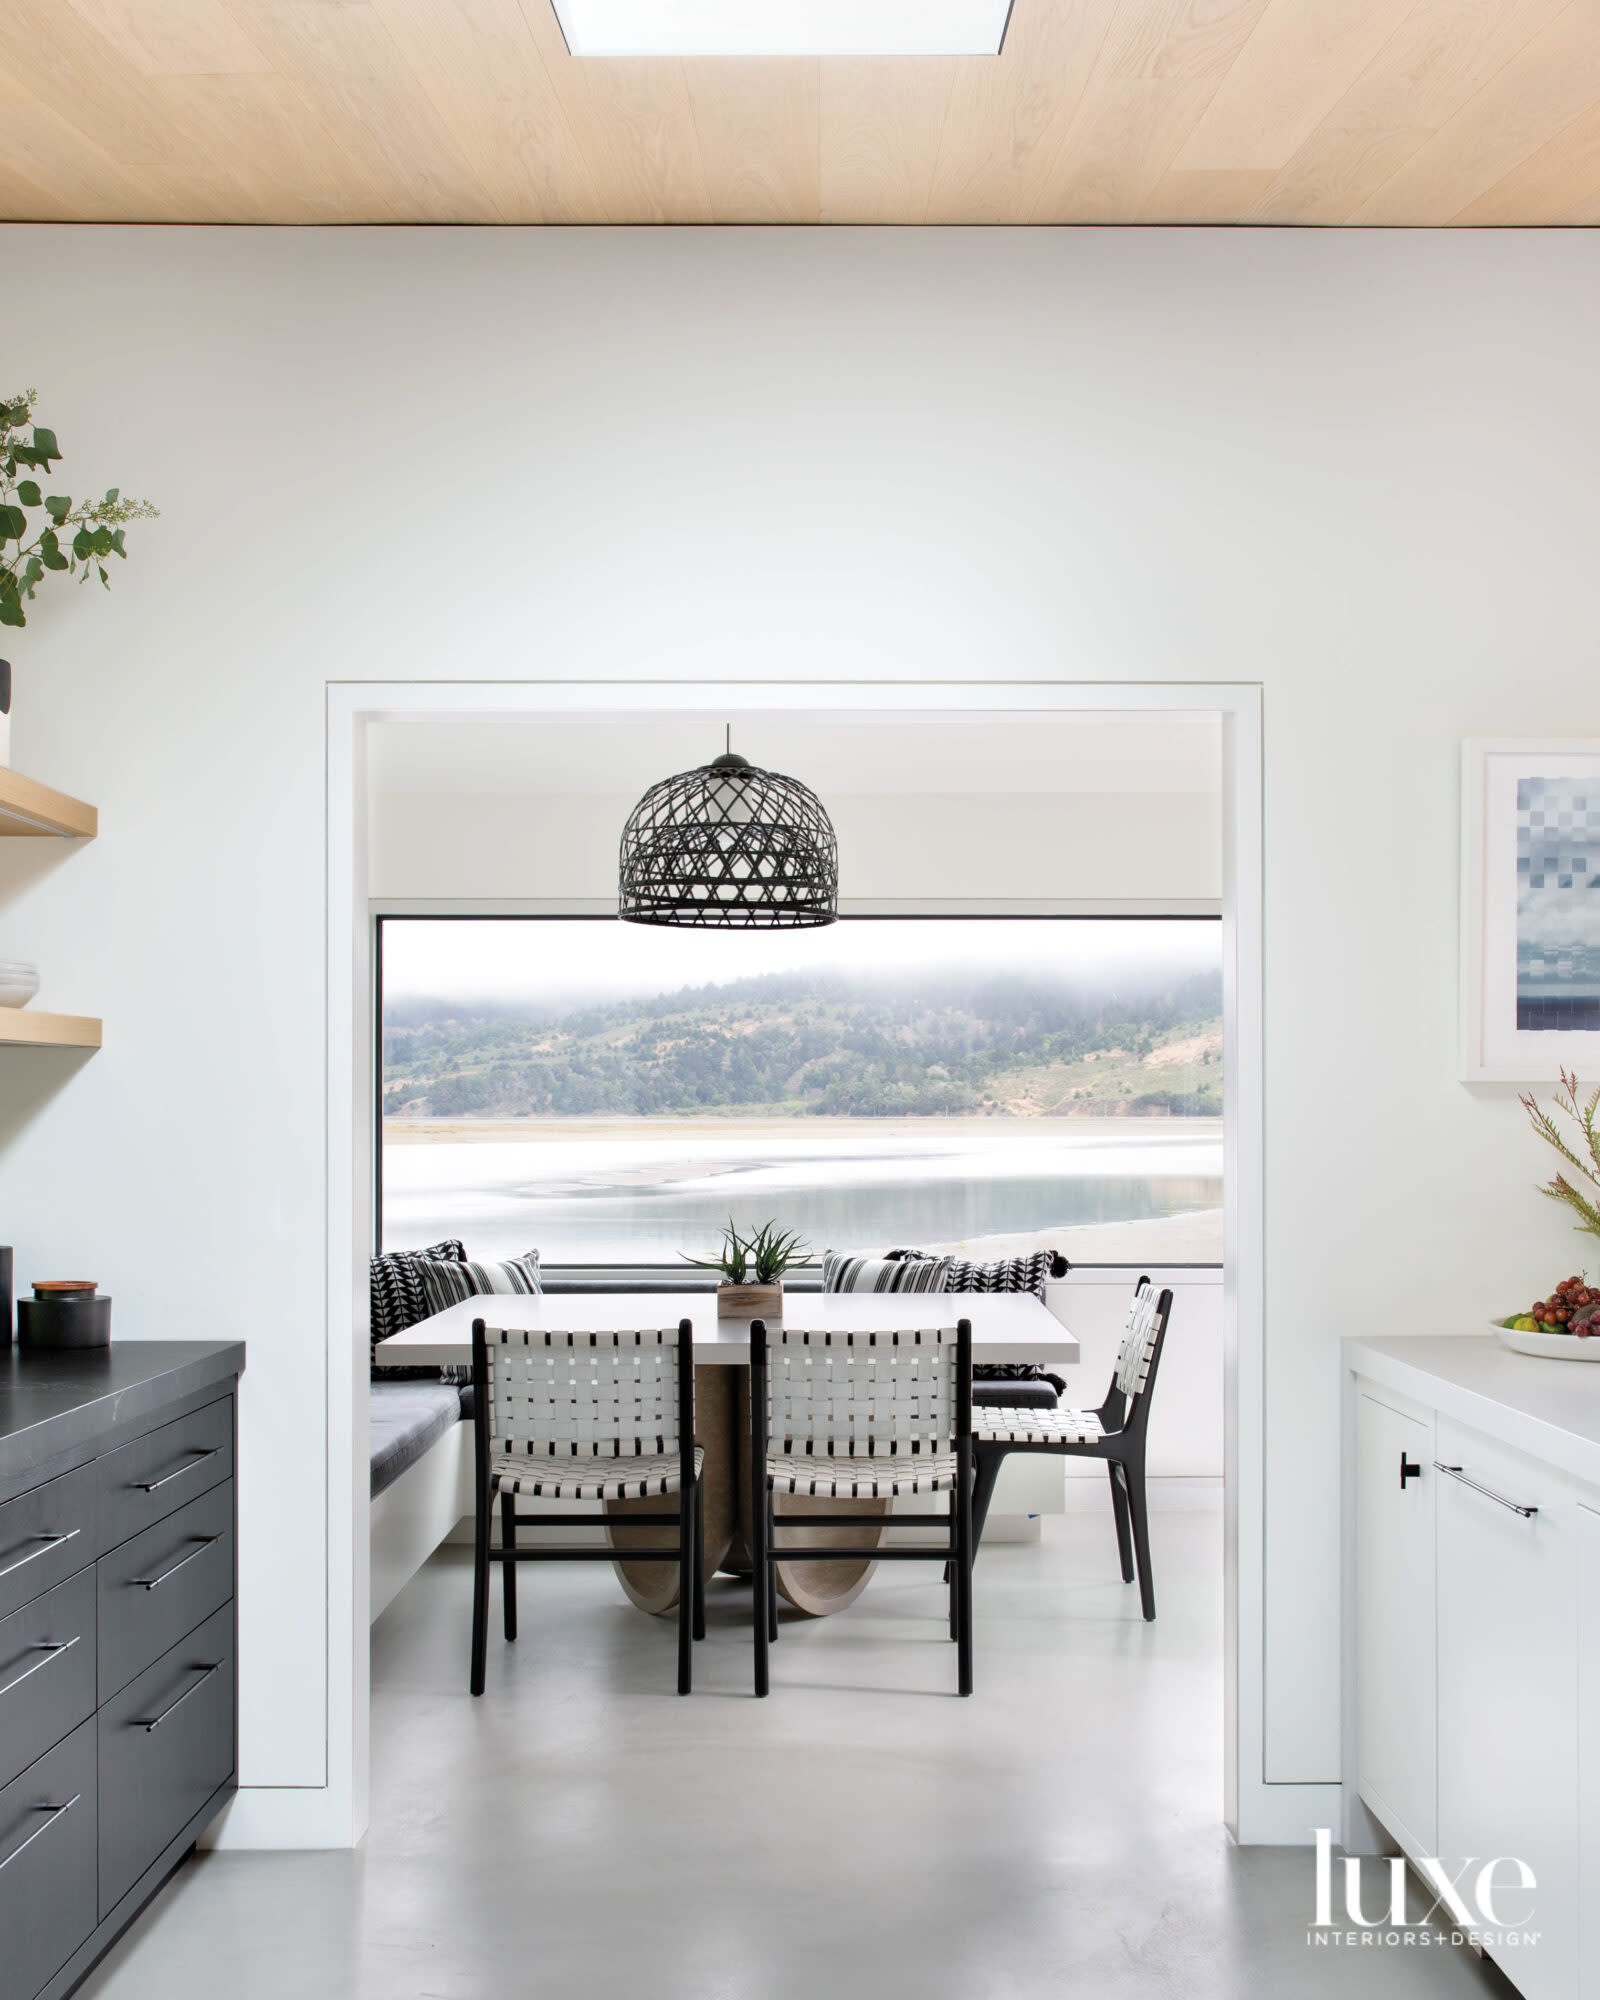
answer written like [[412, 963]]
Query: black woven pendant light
[[729, 847]]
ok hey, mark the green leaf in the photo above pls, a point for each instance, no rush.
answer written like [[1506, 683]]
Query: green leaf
[[45, 441], [13, 524], [116, 543], [103, 577], [58, 506], [11, 612], [111, 497], [83, 544], [32, 573], [28, 493]]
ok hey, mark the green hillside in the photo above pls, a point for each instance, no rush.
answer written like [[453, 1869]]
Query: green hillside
[[792, 1045]]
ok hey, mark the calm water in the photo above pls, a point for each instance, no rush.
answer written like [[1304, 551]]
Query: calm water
[[642, 1197]]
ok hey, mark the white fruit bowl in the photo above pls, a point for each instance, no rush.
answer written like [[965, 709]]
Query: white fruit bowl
[[1554, 1346], [18, 983]]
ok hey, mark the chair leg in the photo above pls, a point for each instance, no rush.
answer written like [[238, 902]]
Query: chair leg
[[964, 1553], [508, 1570], [990, 1460], [699, 1560], [950, 1575], [1119, 1509], [1141, 1537], [686, 1574], [772, 1574], [480, 1593], [762, 1580]]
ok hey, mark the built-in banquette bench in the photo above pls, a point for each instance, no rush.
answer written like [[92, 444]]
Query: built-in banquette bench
[[117, 1638]]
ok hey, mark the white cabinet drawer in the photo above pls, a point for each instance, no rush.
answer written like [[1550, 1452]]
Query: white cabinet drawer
[[1508, 1685]]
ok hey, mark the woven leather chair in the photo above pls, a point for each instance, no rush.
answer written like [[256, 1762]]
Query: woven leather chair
[[1114, 1432], [862, 1416], [585, 1416]]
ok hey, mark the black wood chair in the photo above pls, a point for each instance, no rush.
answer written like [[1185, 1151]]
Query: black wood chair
[[585, 1416], [861, 1416], [1115, 1432]]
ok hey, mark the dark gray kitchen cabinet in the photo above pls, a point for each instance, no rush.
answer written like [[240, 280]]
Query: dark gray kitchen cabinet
[[118, 1712]]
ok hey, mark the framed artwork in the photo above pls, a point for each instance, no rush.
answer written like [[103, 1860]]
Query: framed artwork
[[1530, 910]]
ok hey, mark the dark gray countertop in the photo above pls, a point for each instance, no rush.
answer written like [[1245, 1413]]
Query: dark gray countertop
[[57, 1402]]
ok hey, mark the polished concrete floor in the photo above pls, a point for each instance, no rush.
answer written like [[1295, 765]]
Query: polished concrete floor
[[863, 1832]]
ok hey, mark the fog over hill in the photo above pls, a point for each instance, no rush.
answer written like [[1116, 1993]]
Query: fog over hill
[[863, 1044]]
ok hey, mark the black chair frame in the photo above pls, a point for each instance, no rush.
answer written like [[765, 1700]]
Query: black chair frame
[[954, 1552], [687, 1551], [1122, 1447]]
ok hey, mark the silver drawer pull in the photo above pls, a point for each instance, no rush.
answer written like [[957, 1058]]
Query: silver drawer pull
[[55, 1813], [155, 1582], [50, 1542], [51, 1652], [1488, 1492], [198, 1457], [194, 1687]]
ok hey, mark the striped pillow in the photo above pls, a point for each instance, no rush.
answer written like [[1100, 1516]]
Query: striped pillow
[[447, 1284], [883, 1274], [1004, 1274]]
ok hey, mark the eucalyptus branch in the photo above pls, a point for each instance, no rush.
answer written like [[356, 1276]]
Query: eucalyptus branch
[[99, 524]]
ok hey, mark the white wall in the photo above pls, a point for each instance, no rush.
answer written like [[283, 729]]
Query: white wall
[[1357, 468]]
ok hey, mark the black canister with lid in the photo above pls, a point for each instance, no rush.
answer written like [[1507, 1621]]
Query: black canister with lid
[[64, 1312]]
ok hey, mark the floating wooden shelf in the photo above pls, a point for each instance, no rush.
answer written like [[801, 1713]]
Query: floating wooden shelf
[[30, 808], [21, 1028]]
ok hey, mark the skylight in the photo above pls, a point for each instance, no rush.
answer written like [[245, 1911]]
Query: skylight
[[783, 27]]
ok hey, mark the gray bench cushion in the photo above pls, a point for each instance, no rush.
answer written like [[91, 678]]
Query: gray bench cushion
[[408, 1417]]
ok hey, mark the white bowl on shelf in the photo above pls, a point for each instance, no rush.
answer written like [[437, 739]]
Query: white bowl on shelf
[[19, 982], [1553, 1346]]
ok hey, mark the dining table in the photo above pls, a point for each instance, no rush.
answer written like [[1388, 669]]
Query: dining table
[[1007, 1327]]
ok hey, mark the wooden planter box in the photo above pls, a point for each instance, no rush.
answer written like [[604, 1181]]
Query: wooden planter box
[[750, 1302]]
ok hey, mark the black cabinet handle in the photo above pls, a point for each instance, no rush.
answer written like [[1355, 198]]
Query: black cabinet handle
[[55, 1813], [50, 1542], [194, 1687], [1408, 1470], [155, 1582], [198, 1457], [50, 1651]]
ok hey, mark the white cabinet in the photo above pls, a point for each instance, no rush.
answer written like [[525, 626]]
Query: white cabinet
[[1395, 1484], [1508, 1686], [1588, 1530]]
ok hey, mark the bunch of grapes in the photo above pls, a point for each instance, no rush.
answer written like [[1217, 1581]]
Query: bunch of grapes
[[1572, 1307]]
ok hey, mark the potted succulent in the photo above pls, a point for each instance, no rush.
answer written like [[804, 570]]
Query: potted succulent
[[752, 1269]]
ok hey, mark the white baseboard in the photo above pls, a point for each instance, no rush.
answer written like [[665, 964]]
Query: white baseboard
[[1164, 1495], [1288, 1816]]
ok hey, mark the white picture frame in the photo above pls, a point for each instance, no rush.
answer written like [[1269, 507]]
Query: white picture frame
[[1496, 1045]]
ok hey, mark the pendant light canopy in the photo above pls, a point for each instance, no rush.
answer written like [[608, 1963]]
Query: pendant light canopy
[[729, 847]]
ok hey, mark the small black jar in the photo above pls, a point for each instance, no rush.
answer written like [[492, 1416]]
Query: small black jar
[[64, 1315]]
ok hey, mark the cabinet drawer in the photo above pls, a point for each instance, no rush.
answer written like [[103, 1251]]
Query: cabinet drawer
[[47, 1672], [45, 1535], [47, 1864], [166, 1744], [161, 1584], [155, 1475]]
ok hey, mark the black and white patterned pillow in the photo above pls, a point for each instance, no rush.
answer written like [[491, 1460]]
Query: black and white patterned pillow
[[1002, 1274], [883, 1274], [447, 1282], [399, 1301]]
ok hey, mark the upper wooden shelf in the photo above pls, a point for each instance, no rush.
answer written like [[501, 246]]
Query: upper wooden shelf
[[30, 808], [24, 1030]]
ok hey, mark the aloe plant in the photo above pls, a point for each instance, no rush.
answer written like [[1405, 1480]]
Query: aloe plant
[[1580, 1200], [760, 1258]]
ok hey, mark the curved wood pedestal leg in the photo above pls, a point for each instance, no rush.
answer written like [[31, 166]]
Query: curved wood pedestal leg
[[654, 1586]]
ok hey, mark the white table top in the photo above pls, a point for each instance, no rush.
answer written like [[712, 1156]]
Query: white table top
[[1005, 1327]]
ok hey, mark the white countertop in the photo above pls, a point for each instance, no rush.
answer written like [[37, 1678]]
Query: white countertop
[[1550, 1409], [1005, 1327]]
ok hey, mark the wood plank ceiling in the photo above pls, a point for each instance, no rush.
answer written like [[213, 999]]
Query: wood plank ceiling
[[1191, 111]]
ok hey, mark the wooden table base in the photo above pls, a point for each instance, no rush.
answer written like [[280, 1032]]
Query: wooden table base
[[722, 1427]]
